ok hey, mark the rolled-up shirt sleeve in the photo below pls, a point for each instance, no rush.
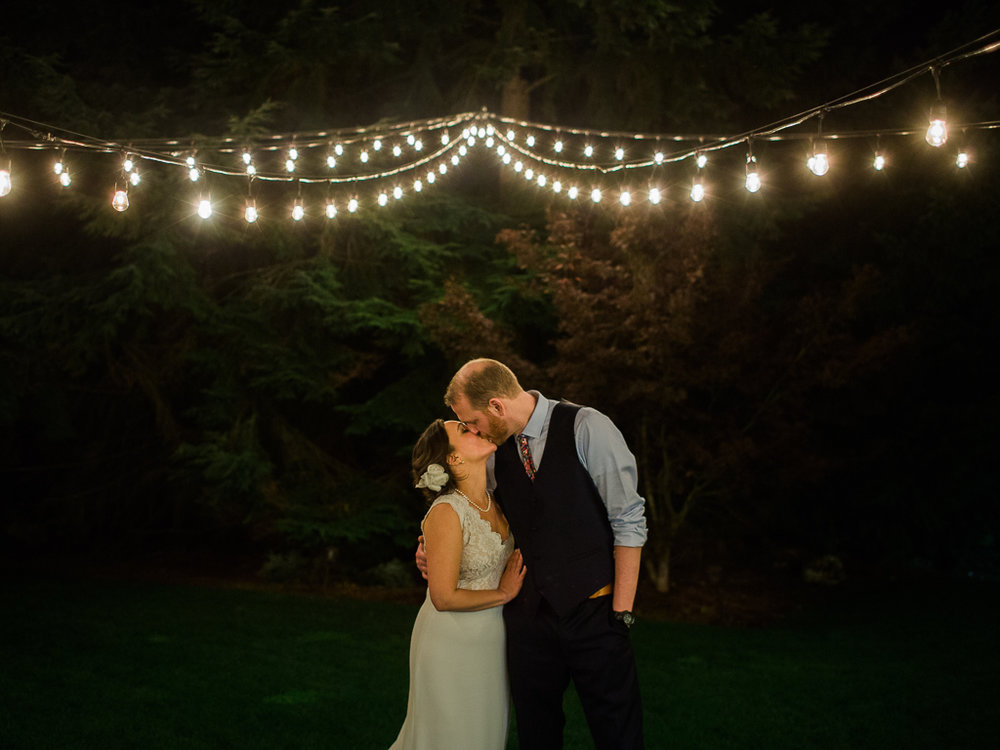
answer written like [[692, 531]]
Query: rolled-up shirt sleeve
[[606, 457]]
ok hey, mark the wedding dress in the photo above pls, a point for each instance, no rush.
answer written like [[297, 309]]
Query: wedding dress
[[459, 695]]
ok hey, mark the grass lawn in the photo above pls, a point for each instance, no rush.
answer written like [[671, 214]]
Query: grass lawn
[[120, 664]]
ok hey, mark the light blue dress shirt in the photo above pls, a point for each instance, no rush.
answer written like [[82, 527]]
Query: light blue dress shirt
[[604, 454]]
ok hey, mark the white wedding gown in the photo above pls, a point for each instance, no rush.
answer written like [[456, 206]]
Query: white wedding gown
[[459, 694]]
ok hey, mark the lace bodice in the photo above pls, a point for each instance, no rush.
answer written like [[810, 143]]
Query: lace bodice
[[484, 555]]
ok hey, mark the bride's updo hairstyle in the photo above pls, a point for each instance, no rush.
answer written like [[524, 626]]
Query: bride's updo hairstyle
[[433, 447]]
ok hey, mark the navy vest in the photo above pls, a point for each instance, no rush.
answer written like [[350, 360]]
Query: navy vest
[[559, 521]]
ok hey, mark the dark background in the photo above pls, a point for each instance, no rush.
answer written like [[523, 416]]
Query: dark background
[[804, 373]]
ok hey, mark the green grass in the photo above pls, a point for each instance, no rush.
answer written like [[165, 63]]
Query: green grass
[[101, 664]]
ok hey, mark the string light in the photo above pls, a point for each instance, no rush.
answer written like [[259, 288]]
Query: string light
[[65, 179], [5, 181], [120, 200], [352, 205], [331, 209], [819, 162], [698, 189], [595, 195], [937, 129], [597, 147], [250, 212], [753, 183], [205, 208], [298, 210]]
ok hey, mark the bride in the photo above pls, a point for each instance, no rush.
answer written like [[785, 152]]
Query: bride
[[459, 695]]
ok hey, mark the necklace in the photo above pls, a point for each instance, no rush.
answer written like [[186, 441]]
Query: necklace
[[489, 501]]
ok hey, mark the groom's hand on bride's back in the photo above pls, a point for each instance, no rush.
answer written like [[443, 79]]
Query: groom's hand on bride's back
[[421, 557]]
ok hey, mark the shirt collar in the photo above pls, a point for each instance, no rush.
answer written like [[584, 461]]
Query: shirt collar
[[537, 419]]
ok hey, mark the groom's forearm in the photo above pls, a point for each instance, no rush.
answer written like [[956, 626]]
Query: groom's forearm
[[627, 563]]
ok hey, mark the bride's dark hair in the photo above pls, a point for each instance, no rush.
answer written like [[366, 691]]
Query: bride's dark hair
[[432, 447]]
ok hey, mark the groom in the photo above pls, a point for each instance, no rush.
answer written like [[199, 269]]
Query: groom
[[567, 483]]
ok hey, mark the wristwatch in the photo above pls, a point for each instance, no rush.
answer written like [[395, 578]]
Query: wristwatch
[[627, 617]]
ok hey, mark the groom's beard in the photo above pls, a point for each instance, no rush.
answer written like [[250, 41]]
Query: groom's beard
[[498, 430]]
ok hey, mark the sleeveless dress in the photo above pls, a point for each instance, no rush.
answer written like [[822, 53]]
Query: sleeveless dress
[[459, 694]]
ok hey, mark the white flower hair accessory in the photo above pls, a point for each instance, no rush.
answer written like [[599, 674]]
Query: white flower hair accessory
[[434, 478]]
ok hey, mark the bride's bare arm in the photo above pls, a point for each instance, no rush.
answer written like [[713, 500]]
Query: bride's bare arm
[[443, 534]]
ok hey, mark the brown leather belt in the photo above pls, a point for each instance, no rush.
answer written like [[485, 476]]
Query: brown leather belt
[[602, 592]]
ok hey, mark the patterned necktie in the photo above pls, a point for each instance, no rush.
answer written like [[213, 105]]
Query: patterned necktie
[[529, 465]]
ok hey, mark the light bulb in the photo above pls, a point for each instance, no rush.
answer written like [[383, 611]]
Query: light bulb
[[625, 198], [506, 158], [293, 153], [193, 174], [364, 157], [352, 205], [530, 140], [595, 195], [541, 180], [658, 157], [511, 135], [383, 199], [397, 192], [377, 144], [417, 186], [489, 141], [331, 161], [251, 170], [588, 151], [557, 187], [58, 167], [120, 201], [471, 140], [878, 163], [654, 196], [204, 208], [250, 213], [430, 178], [134, 178], [289, 165], [819, 162], [528, 174], [557, 147], [518, 166], [443, 169], [962, 159], [298, 210], [411, 139], [490, 130], [65, 179], [338, 150], [419, 145], [697, 190], [937, 130], [454, 160], [619, 153], [573, 192], [128, 164], [247, 158], [753, 177], [701, 160], [444, 139], [331, 209], [462, 150]]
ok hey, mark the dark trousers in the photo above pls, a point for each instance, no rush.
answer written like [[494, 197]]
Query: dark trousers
[[546, 651]]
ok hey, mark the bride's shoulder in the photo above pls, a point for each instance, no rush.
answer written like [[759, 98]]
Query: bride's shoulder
[[450, 499]]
